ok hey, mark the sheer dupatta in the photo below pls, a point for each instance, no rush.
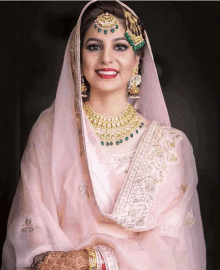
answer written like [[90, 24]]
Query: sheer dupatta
[[65, 198]]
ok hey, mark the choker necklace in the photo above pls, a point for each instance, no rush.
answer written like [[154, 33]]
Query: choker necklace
[[114, 130]]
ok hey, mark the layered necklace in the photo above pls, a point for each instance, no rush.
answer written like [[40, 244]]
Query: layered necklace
[[114, 130]]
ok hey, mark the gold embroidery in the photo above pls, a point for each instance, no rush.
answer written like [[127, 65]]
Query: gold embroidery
[[148, 171], [172, 158], [159, 151], [75, 72], [190, 219], [77, 83], [172, 144]]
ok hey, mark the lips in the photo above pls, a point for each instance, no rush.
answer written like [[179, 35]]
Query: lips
[[107, 73]]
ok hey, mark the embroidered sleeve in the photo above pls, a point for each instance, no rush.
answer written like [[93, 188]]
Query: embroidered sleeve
[[180, 220]]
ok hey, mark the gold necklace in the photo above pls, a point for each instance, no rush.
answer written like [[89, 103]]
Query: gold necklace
[[114, 130]]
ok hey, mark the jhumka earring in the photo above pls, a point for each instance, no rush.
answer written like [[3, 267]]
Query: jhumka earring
[[133, 32], [135, 81], [106, 21], [83, 87]]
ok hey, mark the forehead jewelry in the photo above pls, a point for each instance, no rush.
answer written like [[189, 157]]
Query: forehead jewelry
[[106, 21], [133, 31]]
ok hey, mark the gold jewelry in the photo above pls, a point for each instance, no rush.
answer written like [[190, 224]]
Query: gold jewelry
[[106, 21], [83, 88], [135, 81], [92, 258], [99, 259], [133, 32], [113, 130]]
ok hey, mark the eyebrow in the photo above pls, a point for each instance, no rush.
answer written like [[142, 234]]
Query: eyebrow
[[99, 40]]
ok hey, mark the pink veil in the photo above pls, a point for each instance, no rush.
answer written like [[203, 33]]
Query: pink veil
[[61, 204]]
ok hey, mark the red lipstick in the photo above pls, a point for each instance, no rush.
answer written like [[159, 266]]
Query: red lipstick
[[107, 73]]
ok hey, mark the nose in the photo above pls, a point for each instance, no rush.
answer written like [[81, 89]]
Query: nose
[[107, 56]]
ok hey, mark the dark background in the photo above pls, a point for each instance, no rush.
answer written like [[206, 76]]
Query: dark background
[[185, 39]]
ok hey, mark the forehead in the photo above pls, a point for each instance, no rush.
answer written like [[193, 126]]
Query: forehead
[[92, 32]]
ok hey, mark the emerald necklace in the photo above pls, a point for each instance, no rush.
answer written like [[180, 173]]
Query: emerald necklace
[[114, 130]]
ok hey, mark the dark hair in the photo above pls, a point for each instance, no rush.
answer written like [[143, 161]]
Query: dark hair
[[114, 8], [100, 7]]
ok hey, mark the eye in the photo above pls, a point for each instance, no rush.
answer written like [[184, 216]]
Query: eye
[[94, 47], [121, 47]]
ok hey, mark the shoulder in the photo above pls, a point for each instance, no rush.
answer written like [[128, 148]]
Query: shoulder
[[40, 138], [173, 147], [41, 132], [172, 138], [166, 131], [44, 123]]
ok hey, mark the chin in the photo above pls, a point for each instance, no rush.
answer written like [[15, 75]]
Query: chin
[[107, 90], [107, 87]]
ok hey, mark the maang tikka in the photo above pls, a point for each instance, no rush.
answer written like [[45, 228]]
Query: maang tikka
[[135, 81], [106, 21], [133, 31]]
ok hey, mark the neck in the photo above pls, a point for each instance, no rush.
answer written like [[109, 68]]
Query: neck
[[108, 104]]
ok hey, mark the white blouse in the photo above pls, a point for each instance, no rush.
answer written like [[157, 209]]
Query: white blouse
[[122, 162]]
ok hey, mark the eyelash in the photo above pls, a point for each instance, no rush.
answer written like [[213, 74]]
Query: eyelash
[[96, 47]]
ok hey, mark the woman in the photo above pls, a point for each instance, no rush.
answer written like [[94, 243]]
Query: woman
[[104, 185]]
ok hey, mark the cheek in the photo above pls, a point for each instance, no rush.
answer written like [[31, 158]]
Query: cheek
[[128, 65], [128, 61], [88, 66], [85, 63]]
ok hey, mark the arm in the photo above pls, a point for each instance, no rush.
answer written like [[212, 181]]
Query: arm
[[84, 259], [78, 260]]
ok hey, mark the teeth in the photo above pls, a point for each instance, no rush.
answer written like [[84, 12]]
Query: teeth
[[107, 72]]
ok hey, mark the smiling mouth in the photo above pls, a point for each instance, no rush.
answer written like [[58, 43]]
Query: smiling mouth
[[107, 73]]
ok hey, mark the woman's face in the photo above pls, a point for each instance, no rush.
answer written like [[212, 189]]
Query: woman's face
[[107, 60]]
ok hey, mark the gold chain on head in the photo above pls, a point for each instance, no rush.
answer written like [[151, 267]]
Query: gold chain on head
[[133, 32]]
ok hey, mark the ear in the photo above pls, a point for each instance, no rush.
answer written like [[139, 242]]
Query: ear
[[81, 70], [137, 60]]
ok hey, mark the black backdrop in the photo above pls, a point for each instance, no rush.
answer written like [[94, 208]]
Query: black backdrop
[[185, 39]]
